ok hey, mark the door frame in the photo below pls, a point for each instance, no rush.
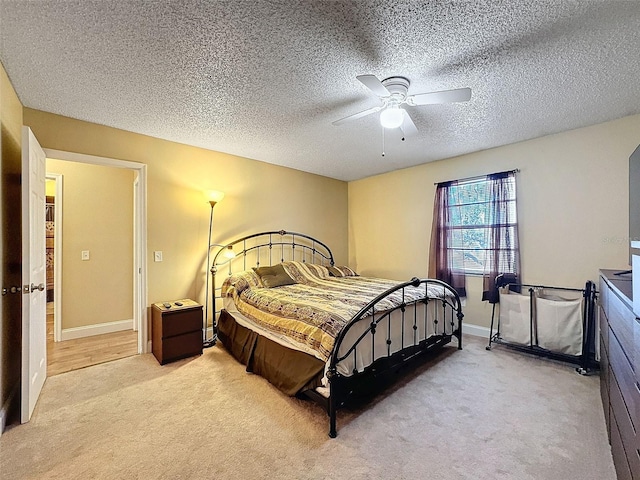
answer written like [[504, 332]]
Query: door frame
[[139, 233], [57, 256], [138, 254]]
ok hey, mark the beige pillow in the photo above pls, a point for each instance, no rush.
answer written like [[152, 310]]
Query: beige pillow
[[274, 276]]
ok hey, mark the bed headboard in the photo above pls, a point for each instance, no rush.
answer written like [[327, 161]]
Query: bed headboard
[[265, 249]]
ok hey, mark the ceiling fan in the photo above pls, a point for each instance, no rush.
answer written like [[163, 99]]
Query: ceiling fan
[[393, 92]]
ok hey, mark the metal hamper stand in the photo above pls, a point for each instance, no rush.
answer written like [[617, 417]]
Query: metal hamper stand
[[586, 360]]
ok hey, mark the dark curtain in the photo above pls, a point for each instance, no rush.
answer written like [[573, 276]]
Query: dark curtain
[[503, 252], [440, 259]]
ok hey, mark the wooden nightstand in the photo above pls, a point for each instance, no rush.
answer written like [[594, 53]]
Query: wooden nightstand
[[176, 330]]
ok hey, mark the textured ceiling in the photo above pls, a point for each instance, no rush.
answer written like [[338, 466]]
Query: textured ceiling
[[265, 79]]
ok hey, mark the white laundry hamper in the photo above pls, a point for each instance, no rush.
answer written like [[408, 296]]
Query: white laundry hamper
[[554, 322]]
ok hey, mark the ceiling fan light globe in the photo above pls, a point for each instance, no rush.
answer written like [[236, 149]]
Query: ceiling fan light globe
[[391, 117]]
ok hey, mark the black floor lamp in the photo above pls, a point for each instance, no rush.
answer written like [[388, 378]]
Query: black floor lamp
[[214, 197]]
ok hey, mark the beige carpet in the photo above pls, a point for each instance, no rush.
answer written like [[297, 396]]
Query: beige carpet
[[470, 414]]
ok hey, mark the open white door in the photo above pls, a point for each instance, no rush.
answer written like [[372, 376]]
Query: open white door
[[34, 304]]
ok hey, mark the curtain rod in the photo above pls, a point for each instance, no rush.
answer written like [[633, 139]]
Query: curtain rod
[[477, 177]]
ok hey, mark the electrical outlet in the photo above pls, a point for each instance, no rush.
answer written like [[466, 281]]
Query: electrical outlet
[[157, 256], [85, 254]]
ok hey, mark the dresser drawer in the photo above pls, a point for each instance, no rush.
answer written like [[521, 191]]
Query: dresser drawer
[[605, 292], [622, 322], [617, 450], [636, 355], [626, 380], [626, 429], [604, 330], [604, 383]]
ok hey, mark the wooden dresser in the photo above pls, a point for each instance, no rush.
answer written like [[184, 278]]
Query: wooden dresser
[[620, 372], [176, 330]]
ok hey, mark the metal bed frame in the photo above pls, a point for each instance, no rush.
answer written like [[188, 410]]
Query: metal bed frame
[[586, 361], [446, 319]]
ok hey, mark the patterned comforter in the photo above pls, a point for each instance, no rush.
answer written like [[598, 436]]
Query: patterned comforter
[[314, 310]]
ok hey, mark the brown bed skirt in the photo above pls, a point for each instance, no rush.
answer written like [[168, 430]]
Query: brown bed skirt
[[291, 371]]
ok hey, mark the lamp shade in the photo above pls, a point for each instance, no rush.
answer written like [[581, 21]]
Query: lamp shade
[[214, 196], [392, 117]]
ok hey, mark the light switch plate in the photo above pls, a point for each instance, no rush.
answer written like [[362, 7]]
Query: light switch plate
[[157, 256], [85, 254]]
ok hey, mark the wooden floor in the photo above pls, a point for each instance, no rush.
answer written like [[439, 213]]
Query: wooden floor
[[83, 352]]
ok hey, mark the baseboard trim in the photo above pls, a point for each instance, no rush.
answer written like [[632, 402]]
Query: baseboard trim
[[475, 330], [98, 329], [6, 407]]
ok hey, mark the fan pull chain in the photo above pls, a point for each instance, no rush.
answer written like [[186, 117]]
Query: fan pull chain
[[383, 141]]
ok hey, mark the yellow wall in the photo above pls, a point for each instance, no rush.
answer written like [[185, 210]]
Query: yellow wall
[[50, 187], [10, 244], [258, 196], [98, 217], [572, 207]]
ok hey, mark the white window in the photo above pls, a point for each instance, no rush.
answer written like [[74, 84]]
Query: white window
[[475, 213]]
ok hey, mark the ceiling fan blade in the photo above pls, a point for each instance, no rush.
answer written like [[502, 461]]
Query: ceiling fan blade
[[445, 96], [373, 84], [408, 127], [357, 115]]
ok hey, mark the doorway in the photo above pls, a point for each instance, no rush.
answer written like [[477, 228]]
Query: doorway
[[124, 337], [53, 232]]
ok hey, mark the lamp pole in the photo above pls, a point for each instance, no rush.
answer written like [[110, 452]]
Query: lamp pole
[[214, 197]]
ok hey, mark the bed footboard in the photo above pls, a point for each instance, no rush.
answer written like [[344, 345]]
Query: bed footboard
[[398, 337]]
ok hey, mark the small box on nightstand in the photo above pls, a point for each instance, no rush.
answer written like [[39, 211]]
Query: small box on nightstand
[[176, 330]]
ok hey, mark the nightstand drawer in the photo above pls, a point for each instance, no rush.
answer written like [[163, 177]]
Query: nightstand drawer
[[180, 346], [180, 322], [176, 319]]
